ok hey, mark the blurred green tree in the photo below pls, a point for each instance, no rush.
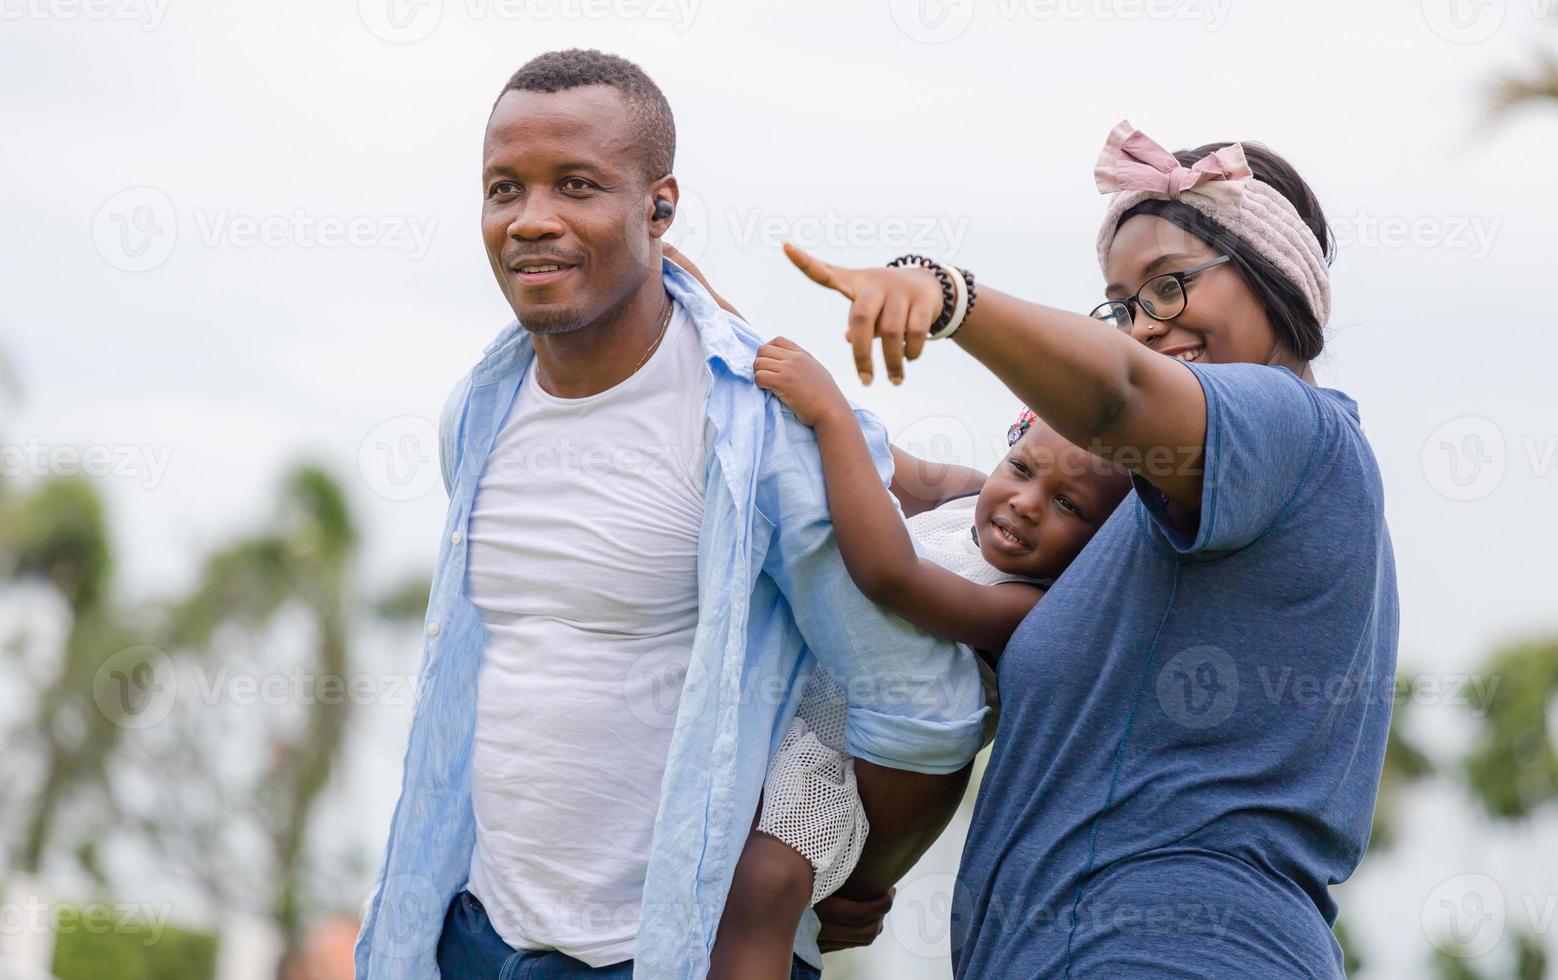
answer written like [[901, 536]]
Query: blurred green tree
[[1530, 962], [57, 536], [130, 954], [182, 784], [298, 573], [1405, 764], [1512, 768]]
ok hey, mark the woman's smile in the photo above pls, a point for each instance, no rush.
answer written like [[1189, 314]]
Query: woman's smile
[[1185, 352]]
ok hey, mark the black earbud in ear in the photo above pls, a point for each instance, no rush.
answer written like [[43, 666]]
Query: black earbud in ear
[[663, 209]]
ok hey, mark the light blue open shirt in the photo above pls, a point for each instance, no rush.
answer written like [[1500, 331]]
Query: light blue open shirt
[[772, 589]]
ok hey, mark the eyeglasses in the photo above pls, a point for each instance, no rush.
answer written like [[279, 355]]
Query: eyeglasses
[[1162, 297]]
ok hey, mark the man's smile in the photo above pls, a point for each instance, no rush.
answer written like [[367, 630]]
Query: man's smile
[[540, 270]]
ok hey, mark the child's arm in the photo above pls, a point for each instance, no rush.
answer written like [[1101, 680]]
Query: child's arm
[[872, 537], [922, 484]]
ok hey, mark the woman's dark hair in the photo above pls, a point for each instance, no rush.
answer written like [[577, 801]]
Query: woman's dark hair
[[1289, 311]]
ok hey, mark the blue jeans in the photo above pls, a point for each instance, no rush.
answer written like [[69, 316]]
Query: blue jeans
[[470, 949]]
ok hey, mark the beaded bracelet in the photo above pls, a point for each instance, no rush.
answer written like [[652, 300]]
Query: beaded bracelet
[[957, 296], [948, 292], [959, 305]]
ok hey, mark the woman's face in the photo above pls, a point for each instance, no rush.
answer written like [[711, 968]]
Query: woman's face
[[1223, 321]]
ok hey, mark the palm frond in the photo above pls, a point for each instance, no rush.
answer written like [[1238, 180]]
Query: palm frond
[[1514, 90]]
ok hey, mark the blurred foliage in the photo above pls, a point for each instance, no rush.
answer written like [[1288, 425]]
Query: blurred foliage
[[248, 582], [303, 563], [1530, 957], [1512, 771], [57, 534], [1537, 84], [1513, 90], [1405, 764], [406, 602], [88, 949], [1351, 961], [1530, 961], [1512, 768], [1448, 966]]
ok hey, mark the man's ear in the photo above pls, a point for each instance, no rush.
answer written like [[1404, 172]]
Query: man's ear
[[663, 197]]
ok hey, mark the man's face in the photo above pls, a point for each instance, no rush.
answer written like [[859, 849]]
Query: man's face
[[566, 207]]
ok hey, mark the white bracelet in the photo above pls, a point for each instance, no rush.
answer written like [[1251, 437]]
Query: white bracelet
[[959, 303]]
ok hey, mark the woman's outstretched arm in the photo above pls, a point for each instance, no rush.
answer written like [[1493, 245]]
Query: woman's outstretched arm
[[919, 484], [1095, 386]]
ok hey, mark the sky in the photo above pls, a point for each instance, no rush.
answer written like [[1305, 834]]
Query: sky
[[243, 235]]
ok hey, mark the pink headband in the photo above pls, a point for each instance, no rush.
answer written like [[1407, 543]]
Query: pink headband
[[1221, 186]]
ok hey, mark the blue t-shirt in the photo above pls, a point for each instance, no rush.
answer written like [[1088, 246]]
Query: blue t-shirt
[[1193, 729]]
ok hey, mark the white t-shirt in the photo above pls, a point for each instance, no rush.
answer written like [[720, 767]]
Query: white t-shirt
[[583, 568]]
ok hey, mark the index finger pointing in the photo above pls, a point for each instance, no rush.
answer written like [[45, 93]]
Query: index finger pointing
[[815, 269]]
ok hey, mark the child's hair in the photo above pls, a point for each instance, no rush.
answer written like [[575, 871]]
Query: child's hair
[[1290, 313], [1026, 417]]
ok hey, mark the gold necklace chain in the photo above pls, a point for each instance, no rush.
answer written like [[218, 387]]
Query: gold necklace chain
[[669, 307]]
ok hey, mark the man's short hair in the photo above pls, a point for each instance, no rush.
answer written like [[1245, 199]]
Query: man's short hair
[[557, 71]]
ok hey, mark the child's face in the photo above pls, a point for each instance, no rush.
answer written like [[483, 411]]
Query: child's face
[[1043, 503]]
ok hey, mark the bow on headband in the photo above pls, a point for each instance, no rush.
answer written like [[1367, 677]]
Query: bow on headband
[[1133, 161]]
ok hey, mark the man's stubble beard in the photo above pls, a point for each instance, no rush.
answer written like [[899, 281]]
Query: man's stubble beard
[[553, 322]]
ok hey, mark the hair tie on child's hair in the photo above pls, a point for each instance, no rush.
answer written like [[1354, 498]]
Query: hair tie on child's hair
[[1025, 418], [1222, 187]]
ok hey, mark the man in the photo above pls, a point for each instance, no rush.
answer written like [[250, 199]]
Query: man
[[636, 569]]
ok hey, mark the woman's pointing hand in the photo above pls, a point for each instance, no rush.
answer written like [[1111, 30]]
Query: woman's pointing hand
[[897, 305]]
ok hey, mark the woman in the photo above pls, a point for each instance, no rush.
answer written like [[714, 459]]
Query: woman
[[1194, 717]]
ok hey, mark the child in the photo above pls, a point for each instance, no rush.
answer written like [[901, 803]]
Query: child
[[967, 568]]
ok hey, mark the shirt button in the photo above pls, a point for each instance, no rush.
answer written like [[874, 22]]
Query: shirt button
[[456, 537], [432, 629]]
